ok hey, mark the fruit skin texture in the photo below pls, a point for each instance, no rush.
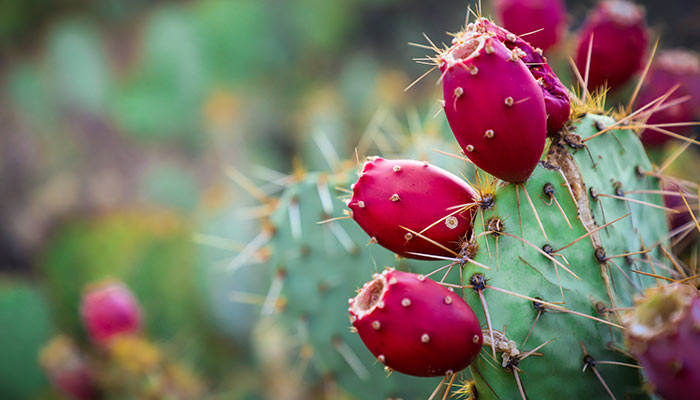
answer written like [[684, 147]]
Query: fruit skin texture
[[525, 16], [670, 68], [494, 105], [414, 194], [110, 309], [556, 97], [414, 325], [669, 353], [620, 39]]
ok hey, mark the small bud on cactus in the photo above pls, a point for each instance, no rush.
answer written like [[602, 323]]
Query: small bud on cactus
[[391, 194], [543, 20], [620, 39], [664, 334], [493, 104], [110, 309], [556, 97], [414, 325], [671, 68], [67, 369]]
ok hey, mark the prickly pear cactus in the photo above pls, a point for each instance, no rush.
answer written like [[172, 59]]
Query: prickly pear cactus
[[543, 241]]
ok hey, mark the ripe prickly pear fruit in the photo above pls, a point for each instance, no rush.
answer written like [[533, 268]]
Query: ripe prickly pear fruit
[[108, 310], [547, 17], [620, 38], [556, 97], [672, 67], [414, 325], [392, 195], [493, 104], [664, 334], [68, 370]]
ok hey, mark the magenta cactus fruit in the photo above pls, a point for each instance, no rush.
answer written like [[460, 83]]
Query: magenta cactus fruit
[[664, 334], [414, 325], [620, 38], [110, 309], [546, 18], [392, 195], [671, 68], [556, 97], [493, 104]]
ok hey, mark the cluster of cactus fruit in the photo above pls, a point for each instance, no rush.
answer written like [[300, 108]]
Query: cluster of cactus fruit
[[522, 277]]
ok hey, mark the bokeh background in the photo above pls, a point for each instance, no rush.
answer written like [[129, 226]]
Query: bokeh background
[[119, 120]]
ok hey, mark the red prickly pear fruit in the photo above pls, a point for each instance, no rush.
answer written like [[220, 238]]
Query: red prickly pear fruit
[[393, 193], [110, 309], [414, 325], [671, 68], [620, 39], [556, 97], [493, 104], [664, 335], [546, 19], [67, 369]]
